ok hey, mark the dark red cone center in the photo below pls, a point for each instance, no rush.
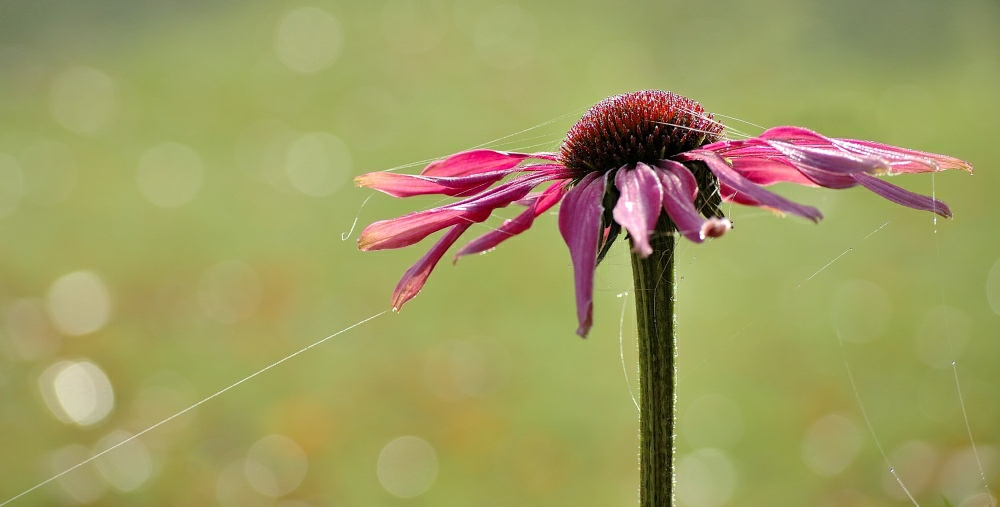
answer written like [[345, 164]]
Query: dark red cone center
[[643, 126]]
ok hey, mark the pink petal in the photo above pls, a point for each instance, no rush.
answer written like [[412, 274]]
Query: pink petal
[[415, 277], [737, 183], [767, 171], [478, 161], [830, 160], [902, 160], [903, 197], [517, 225], [580, 225], [408, 185], [639, 205], [409, 229], [680, 189]]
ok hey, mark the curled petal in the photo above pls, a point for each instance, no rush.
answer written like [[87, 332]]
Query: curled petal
[[639, 205], [415, 277], [903, 197], [680, 189], [518, 224], [580, 225], [408, 185], [740, 185]]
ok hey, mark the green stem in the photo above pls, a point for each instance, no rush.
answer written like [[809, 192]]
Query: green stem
[[654, 306]]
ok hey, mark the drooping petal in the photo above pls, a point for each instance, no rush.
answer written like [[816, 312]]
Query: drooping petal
[[415, 277], [903, 160], [580, 225], [732, 179], [408, 185], [829, 160], [471, 162], [768, 171], [518, 224], [680, 189], [902, 196], [639, 205], [409, 229]]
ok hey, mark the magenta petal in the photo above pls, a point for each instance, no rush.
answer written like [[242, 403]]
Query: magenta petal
[[767, 171], [680, 189], [639, 205], [902, 160], [580, 225], [903, 197], [518, 224], [414, 278], [830, 160], [408, 229], [729, 177], [408, 185], [473, 162]]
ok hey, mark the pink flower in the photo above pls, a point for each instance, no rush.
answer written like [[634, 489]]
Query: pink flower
[[629, 158]]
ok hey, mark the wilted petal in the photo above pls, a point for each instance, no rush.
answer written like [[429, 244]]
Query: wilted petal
[[902, 160], [903, 197], [680, 189], [732, 179], [830, 160], [580, 225], [414, 278], [639, 205], [408, 185], [518, 224]]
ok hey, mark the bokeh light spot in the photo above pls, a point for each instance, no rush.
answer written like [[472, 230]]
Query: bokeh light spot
[[942, 336], [170, 175], [79, 303], [407, 466], [705, 478], [861, 311], [11, 184], [83, 100], [229, 291], [831, 444], [77, 392], [713, 420], [50, 173], [128, 466], [308, 39], [276, 465], [318, 164], [84, 485], [915, 463]]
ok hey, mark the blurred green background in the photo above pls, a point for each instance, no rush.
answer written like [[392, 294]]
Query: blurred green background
[[175, 178]]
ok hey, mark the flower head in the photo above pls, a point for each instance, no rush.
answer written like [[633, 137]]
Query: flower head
[[630, 161]]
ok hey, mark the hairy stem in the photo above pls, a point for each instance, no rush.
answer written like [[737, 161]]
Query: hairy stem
[[654, 306]]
